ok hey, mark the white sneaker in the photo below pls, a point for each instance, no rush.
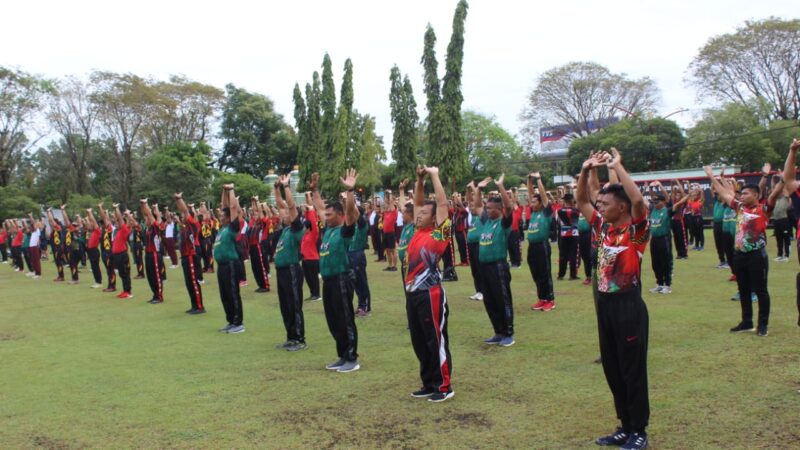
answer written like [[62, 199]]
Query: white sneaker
[[173, 266], [666, 290], [30, 274], [36, 277], [474, 296], [656, 289], [96, 286], [201, 282]]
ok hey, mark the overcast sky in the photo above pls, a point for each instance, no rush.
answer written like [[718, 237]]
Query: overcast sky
[[267, 46]]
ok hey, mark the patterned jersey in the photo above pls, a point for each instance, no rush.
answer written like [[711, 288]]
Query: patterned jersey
[[423, 254], [619, 256], [568, 221], [751, 226]]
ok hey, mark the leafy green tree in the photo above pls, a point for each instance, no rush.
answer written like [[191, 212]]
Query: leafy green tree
[[246, 186], [405, 119], [371, 153], [760, 60], [646, 145], [183, 111], [732, 134], [492, 150], [14, 203], [177, 167], [313, 141], [256, 137], [21, 98]]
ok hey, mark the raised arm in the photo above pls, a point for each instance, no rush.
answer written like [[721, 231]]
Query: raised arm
[[638, 207], [723, 193], [508, 203], [789, 175], [147, 213], [92, 221], [582, 194], [542, 192], [762, 183], [290, 204], [181, 205], [401, 192], [350, 210], [316, 198], [477, 197], [419, 189], [232, 201]]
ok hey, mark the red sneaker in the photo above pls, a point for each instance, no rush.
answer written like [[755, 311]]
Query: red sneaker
[[587, 282], [732, 278], [549, 306], [242, 283], [125, 295], [110, 290], [539, 305]]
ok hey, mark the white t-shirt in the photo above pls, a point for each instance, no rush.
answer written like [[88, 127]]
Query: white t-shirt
[[372, 217], [170, 228], [34, 242]]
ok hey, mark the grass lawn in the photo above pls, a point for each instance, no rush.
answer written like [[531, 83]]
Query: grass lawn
[[82, 369]]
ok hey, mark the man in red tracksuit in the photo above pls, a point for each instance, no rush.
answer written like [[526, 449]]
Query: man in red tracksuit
[[190, 261], [152, 261]]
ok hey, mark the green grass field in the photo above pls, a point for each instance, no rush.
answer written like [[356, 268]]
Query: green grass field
[[82, 369]]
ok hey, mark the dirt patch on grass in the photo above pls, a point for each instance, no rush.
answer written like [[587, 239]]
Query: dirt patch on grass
[[51, 443], [8, 336]]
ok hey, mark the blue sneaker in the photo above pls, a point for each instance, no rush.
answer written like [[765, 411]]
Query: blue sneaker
[[636, 441], [736, 297], [754, 297], [507, 341], [494, 340]]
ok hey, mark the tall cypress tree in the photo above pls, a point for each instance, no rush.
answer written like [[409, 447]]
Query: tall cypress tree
[[346, 132], [329, 173], [456, 156], [404, 118], [312, 132], [431, 67], [300, 125]]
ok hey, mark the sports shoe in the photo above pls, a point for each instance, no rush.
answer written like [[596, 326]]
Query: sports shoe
[[549, 306], [742, 327], [335, 365], [753, 297], [478, 297], [657, 289], [423, 393], [666, 290], [720, 265], [174, 266], [243, 283], [297, 347], [36, 277], [507, 341], [96, 286], [59, 279], [236, 329], [286, 344], [636, 441], [474, 296], [262, 290], [762, 331], [732, 278], [110, 290], [314, 298], [198, 311], [587, 282], [29, 274], [493, 340], [778, 259], [618, 437], [539, 305], [725, 266], [438, 397], [72, 282], [125, 295], [736, 297], [155, 301], [226, 328], [348, 366], [362, 312]]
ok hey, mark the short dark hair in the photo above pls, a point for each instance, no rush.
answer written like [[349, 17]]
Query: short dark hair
[[226, 211], [431, 203], [495, 200], [336, 206], [568, 197], [753, 187], [618, 191], [408, 209]]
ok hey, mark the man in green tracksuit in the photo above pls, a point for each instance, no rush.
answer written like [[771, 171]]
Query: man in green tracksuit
[[229, 265], [288, 270], [337, 276]]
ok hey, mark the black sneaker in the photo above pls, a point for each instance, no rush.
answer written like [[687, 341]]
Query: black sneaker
[[155, 301], [618, 437], [286, 344], [262, 290], [742, 327], [190, 311], [314, 298], [423, 393], [762, 331], [198, 311], [441, 396], [297, 347], [636, 441], [335, 365]]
